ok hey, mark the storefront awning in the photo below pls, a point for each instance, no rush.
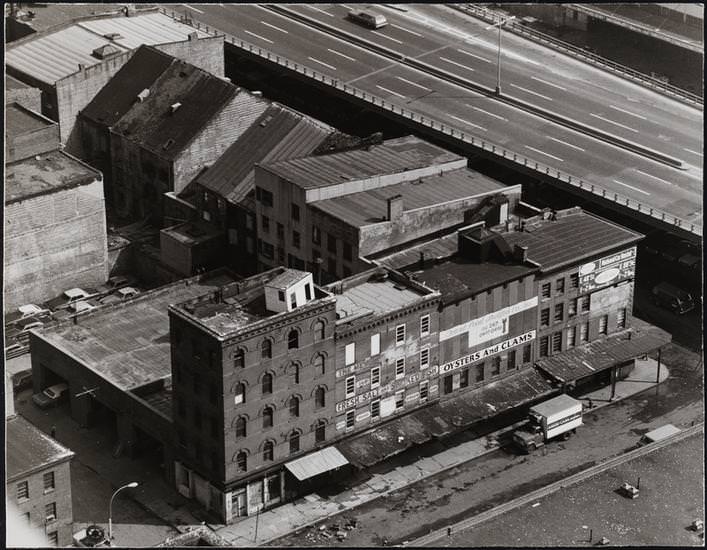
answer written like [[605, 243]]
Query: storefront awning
[[594, 357], [316, 463]]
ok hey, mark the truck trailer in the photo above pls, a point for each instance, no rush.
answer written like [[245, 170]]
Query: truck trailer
[[556, 417]]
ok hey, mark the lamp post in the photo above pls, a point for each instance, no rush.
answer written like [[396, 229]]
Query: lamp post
[[500, 24], [131, 485]]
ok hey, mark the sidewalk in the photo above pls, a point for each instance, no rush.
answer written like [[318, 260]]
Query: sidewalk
[[290, 517]]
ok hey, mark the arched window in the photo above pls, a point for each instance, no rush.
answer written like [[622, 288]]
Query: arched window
[[267, 383], [242, 461], [294, 406], [241, 427], [267, 417], [293, 339], [240, 394], [268, 451], [319, 399], [294, 370], [294, 442], [266, 349], [239, 359], [319, 365], [320, 431], [318, 331]]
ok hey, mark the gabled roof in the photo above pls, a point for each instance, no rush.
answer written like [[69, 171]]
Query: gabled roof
[[278, 134], [29, 449], [121, 91], [181, 102]]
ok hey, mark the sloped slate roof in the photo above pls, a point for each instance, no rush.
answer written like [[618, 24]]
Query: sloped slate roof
[[29, 449]]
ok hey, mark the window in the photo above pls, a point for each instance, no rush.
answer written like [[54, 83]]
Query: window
[[48, 482], [316, 235], [375, 344], [266, 198], [239, 397], [268, 451], [266, 349], [242, 461], [424, 386], [585, 303], [308, 296], [319, 398], [350, 386], [399, 335], [375, 409], [464, 378], [526, 353], [267, 383], [424, 325], [265, 223], [22, 490], [544, 343], [350, 353], [268, 250], [480, 372], [350, 419], [296, 239], [280, 231], [571, 336], [424, 358], [293, 339], [331, 243], [319, 365], [621, 318], [545, 290], [399, 368], [267, 417], [348, 252], [559, 311], [281, 295], [545, 317], [556, 342], [318, 327], [331, 266], [294, 371], [53, 538], [511, 360], [560, 285], [603, 324], [375, 377], [295, 212], [399, 399], [239, 359], [294, 442], [294, 406], [50, 511], [584, 332], [574, 280], [240, 427], [293, 300], [320, 432], [572, 307]]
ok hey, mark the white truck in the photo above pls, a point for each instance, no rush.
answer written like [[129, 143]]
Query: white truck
[[556, 417]]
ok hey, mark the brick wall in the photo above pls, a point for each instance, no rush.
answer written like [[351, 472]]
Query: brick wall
[[205, 53], [54, 242]]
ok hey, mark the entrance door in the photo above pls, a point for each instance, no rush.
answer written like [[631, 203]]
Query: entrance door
[[448, 384], [238, 504]]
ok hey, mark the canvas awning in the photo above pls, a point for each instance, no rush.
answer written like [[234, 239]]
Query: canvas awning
[[316, 463]]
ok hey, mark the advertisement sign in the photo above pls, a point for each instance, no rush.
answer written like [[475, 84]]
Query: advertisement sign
[[607, 270], [487, 352], [610, 298]]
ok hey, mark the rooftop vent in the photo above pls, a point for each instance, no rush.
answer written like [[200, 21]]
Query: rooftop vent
[[142, 96], [193, 35], [258, 93], [112, 36], [105, 51], [173, 108], [264, 123]]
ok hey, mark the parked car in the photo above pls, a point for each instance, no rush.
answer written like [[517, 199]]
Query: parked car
[[673, 298], [127, 292], [27, 311], [116, 282], [368, 18], [659, 434], [68, 297], [21, 380], [51, 396]]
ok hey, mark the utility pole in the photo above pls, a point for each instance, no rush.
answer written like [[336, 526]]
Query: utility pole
[[500, 24]]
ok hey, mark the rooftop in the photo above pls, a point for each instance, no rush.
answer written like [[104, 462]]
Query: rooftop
[[54, 54], [19, 120], [12, 83], [570, 237], [368, 207], [279, 133], [53, 172], [192, 232], [288, 278], [128, 344], [29, 449], [392, 156]]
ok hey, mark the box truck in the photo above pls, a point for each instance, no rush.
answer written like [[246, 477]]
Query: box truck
[[556, 417]]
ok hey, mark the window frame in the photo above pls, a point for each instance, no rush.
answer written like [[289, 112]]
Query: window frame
[[350, 381], [400, 331], [425, 321], [400, 368], [424, 357]]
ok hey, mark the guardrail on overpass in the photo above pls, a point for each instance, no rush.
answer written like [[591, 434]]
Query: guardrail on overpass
[[521, 160], [582, 55]]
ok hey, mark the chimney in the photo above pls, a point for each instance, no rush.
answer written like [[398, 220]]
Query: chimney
[[395, 207], [258, 93], [520, 253], [193, 36], [142, 96], [82, 67]]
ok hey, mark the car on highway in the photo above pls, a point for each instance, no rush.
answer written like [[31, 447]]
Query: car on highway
[[51, 396], [673, 298], [368, 18]]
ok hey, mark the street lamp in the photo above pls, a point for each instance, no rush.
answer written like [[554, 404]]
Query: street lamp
[[498, 64], [110, 509]]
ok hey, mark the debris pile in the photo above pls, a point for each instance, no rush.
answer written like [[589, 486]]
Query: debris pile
[[338, 531]]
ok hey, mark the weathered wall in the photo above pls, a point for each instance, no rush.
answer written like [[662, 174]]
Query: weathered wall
[[205, 53], [54, 242], [29, 144], [29, 97]]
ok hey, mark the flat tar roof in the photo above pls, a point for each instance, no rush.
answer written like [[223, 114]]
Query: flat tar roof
[[19, 120], [128, 344], [29, 449]]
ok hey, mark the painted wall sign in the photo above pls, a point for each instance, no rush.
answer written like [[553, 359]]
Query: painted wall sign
[[487, 352], [607, 270]]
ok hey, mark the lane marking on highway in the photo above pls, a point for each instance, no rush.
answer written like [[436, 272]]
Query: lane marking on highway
[[455, 63], [413, 83], [317, 9], [391, 91], [188, 6], [627, 112], [322, 63], [652, 176], [469, 123], [568, 144], [613, 122], [258, 36], [388, 37], [544, 153], [693, 152], [274, 27], [473, 55], [631, 187], [532, 92], [486, 112], [345, 6], [341, 54], [548, 83], [406, 30]]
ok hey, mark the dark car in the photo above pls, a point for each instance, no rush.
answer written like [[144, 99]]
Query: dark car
[[21, 380], [51, 396]]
